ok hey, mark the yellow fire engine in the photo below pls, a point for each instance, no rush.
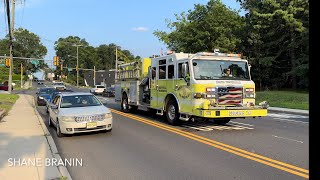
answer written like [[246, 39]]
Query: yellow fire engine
[[189, 87]]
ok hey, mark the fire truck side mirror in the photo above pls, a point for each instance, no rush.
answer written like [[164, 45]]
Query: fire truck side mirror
[[184, 69]]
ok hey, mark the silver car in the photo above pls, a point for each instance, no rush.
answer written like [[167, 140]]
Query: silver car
[[78, 112], [59, 86]]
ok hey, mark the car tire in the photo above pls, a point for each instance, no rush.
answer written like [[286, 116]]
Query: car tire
[[50, 122], [59, 133], [172, 113], [107, 130]]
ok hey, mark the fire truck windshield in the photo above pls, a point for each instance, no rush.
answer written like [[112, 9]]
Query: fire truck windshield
[[220, 69]]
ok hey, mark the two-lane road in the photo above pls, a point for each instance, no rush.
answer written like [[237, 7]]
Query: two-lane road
[[143, 146]]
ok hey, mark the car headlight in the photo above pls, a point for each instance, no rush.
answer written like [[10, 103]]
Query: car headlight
[[108, 115], [68, 118], [40, 97]]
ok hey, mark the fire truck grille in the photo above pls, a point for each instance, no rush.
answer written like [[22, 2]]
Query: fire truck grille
[[230, 95]]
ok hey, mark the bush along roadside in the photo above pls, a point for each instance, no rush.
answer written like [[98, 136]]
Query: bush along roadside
[[6, 102]]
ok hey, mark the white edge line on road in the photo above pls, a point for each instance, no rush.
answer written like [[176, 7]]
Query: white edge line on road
[[241, 123], [287, 139], [280, 119], [53, 148]]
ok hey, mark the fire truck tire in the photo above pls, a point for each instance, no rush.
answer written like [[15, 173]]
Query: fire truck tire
[[172, 112], [125, 104], [222, 121], [133, 108]]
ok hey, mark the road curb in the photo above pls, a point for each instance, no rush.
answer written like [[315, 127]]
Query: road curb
[[53, 148], [293, 111]]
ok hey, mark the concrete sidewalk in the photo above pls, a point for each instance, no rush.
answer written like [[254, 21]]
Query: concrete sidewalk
[[24, 147]]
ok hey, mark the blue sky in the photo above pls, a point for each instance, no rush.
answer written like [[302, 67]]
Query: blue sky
[[129, 24]]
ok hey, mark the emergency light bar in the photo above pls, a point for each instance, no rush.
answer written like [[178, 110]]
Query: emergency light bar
[[218, 54]]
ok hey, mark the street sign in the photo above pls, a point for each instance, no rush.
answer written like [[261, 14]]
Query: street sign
[[35, 62]]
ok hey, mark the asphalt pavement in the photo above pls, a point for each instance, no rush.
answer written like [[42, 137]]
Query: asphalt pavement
[[144, 146]]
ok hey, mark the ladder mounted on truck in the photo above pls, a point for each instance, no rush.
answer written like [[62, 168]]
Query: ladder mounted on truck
[[128, 71]]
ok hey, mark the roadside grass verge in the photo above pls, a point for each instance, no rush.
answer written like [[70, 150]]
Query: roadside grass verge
[[7, 101], [284, 99]]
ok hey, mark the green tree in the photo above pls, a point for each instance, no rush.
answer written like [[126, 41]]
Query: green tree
[[25, 44], [204, 28], [277, 41]]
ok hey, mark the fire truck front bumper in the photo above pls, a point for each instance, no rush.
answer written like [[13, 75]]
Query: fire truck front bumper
[[230, 113]]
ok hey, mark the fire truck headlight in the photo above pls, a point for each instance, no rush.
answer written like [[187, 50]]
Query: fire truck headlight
[[211, 96]]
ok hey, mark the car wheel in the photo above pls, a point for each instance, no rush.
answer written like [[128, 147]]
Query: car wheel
[[50, 122], [59, 134], [124, 104], [172, 112], [107, 130]]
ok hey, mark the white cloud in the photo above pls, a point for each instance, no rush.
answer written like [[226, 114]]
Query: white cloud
[[140, 29]]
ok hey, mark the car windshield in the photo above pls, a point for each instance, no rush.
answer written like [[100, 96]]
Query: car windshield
[[60, 84], [219, 69], [46, 91], [79, 101]]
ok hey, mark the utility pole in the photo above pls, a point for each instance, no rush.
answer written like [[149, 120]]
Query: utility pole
[[21, 69], [115, 73], [11, 41], [94, 75], [77, 68]]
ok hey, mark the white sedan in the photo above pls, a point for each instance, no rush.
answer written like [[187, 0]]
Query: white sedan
[[98, 89], [79, 112]]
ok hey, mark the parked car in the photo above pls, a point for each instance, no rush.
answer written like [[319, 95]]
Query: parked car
[[40, 82], [98, 89], [109, 92], [78, 112], [44, 95], [59, 86]]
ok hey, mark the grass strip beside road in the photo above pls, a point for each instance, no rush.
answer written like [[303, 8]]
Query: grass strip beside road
[[7, 101], [284, 99], [234, 150]]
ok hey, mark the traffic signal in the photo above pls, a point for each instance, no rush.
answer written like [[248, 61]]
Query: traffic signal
[[56, 60], [8, 62]]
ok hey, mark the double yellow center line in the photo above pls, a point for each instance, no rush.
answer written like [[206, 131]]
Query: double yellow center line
[[234, 150]]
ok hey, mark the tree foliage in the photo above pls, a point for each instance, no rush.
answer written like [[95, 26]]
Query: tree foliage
[[273, 35], [25, 44], [277, 40], [204, 28]]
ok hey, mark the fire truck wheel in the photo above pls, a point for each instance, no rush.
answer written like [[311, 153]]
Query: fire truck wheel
[[133, 108], [172, 112], [221, 121], [125, 104]]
